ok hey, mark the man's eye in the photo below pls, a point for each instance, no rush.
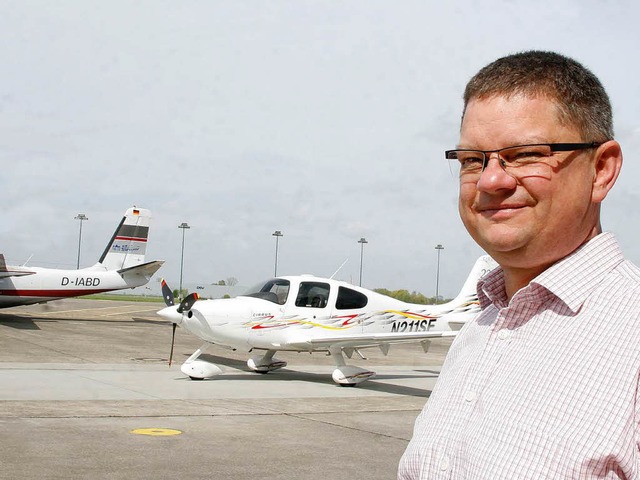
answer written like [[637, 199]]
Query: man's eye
[[523, 155], [470, 161]]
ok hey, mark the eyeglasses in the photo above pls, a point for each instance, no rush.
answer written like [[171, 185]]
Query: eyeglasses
[[520, 160]]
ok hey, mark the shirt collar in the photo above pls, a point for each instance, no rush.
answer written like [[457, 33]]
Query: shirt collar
[[491, 289], [571, 279]]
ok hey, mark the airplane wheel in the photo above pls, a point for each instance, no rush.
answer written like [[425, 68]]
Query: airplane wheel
[[347, 384], [196, 378], [261, 372]]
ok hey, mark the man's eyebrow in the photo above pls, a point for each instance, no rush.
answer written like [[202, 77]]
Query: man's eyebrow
[[526, 141]]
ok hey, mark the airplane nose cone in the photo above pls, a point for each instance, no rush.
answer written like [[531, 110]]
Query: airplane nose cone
[[171, 314]]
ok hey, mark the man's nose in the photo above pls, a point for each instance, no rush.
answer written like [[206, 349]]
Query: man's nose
[[494, 176]]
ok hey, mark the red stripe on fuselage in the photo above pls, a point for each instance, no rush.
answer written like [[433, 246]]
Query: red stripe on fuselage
[[132, 239], [53, 293]]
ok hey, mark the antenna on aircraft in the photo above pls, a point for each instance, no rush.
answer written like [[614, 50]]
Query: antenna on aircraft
[[28, 260], [334, 273]]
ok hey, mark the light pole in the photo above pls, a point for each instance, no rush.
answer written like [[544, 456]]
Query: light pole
[[184, 226], [276, 234], [438, 248], [82, 217], [362, 241]]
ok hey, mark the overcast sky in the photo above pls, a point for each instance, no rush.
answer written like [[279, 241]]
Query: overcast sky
[[326, 120]]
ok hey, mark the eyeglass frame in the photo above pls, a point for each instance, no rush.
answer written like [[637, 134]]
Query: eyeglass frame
[[555, 147]]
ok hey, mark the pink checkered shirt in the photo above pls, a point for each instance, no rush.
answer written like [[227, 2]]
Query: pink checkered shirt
[[544, 386]]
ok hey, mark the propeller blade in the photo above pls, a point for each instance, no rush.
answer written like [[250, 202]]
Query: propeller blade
[[188, 302], [167, 294], [173, 339]]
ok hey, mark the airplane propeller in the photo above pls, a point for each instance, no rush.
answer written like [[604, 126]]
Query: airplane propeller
[[167, 294], [187, 303], [173, 339], [170, 313]]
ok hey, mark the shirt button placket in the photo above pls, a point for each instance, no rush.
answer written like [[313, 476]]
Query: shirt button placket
[[470, 396], [504, 334], [444, 463]]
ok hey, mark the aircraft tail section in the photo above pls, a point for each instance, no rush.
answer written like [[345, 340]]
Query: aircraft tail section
[[483, 265], [455, 313], [128, 244], [5, 272]]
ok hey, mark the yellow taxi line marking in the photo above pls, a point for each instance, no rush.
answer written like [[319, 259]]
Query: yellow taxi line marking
[[132, 311], [96, 309], [155, 432], [77, 310]]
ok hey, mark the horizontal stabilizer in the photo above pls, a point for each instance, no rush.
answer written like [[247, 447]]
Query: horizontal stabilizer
[[5, 272], [14, 273], [144, 269]]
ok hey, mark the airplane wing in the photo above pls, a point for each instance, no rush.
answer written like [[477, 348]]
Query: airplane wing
[[4, 272], [370, 339], [146, 269]]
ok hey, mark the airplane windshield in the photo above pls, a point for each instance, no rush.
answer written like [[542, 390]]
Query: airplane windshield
[[275, 290]]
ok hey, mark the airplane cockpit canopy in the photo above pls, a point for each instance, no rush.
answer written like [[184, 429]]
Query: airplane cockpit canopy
[[313, 294], [275, 290], [310, 294]]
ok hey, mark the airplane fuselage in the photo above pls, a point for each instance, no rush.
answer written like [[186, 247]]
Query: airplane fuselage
[[253, 323], [122, 265], [45, 284], [312, 314]]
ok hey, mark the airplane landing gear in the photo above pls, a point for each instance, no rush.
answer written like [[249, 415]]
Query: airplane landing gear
[[265, 363], [199, 369], [348, 375]]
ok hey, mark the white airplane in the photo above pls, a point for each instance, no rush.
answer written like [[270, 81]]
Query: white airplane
[[121, 266], [312, 314]]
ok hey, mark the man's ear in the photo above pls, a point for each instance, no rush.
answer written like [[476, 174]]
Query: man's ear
[[607, 166]]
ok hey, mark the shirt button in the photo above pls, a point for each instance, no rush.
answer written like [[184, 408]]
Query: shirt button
[[444, 463], [470, 396], [504, 334]]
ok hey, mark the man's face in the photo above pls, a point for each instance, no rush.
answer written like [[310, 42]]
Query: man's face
[[526, 221]]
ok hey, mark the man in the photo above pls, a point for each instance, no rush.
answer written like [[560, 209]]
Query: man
[[544, 383]]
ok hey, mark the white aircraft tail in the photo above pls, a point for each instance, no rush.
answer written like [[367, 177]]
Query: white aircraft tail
[[128, 244], [483, 265]]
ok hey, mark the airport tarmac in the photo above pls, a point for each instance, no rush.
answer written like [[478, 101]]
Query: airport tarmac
[[86, 392]]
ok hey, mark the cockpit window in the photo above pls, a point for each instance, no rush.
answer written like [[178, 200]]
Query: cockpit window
[[312, 294], [275, 290], [348, 299]]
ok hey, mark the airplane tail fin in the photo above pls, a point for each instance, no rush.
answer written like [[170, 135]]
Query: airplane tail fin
[[128, 244], [483, 265]]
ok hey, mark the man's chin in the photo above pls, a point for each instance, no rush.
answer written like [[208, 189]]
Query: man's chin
[[500, 237]]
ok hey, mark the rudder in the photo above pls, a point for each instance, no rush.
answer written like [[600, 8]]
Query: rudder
[[483, 265], [128, 244]]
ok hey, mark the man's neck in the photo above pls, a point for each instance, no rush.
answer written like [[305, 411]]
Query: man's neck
[[516, 277]]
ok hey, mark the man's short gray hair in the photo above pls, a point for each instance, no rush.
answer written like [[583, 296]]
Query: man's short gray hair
[[580, 97]]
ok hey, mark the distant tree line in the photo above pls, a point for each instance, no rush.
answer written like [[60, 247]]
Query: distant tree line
[[179, 295], [410, 297]]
